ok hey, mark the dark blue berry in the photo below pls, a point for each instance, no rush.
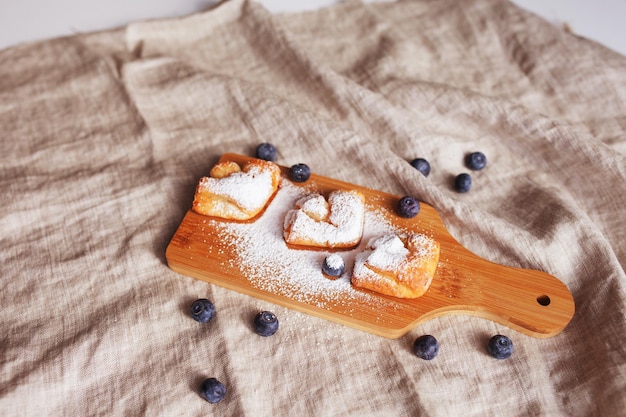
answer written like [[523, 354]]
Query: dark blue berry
[[266, 151], [212, 390], [421, 165], [408, 207], [426, 347], [265, 323], [500, 347], [299, 172], [463, 183], [202, 310], [476, 161], [333, 265]]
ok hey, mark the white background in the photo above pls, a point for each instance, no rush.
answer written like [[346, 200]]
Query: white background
[[28, 20]]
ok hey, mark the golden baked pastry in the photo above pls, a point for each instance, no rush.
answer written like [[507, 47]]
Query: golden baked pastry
[[333, 223], [400, 266], [237, 192]]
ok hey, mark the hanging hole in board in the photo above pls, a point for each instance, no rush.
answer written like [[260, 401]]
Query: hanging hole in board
[[543, 300]]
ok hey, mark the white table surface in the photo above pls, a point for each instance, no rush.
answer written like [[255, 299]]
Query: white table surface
[[27, 20]]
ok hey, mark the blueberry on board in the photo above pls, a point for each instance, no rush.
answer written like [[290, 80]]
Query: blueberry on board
[[500, 347], [212, 390], [333, 265], [426, 347], [266, 151], [202, 310], [299, 172], [265, 323], [421, 165], [463, 183], [476, 161], [408, 207]]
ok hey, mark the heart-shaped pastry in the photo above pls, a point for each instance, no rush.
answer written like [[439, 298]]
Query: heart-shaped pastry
[[400, 266], [333, 223], [235, 192]]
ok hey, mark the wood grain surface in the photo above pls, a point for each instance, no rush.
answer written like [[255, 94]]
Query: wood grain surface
[[529, 301]]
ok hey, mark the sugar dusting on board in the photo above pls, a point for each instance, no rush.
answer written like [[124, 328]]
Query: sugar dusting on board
[[266, 261]]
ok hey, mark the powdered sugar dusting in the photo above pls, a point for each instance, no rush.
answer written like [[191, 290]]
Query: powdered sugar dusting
[[397, 256], [249, 190], [335, 261], [264, 258], [315, 222], [315, 206], [388, 254]]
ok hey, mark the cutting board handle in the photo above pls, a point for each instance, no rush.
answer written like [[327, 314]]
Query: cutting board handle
[[530, 301]]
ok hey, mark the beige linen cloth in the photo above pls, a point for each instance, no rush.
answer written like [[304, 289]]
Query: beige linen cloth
[[104, 136]]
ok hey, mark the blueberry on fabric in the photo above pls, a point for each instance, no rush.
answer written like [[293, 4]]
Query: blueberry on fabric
[[202, 310], [212, 390], [408, 207], [299, 172], [266, 151], [421, 165], [463, 183], [500, 347], [265, 323], [333, 265], [476, 161], [426, 347]]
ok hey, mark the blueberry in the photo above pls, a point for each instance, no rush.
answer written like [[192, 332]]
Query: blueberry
[[500, 347], [421, 165], [265, 323], [299, 172], [408, 207], [202, 310], [426, 347], [212, 390], [333, 265], [266, 151], [463, 183], [476, 161]]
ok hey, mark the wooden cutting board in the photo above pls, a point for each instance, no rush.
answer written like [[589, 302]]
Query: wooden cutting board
[[532, 302]]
